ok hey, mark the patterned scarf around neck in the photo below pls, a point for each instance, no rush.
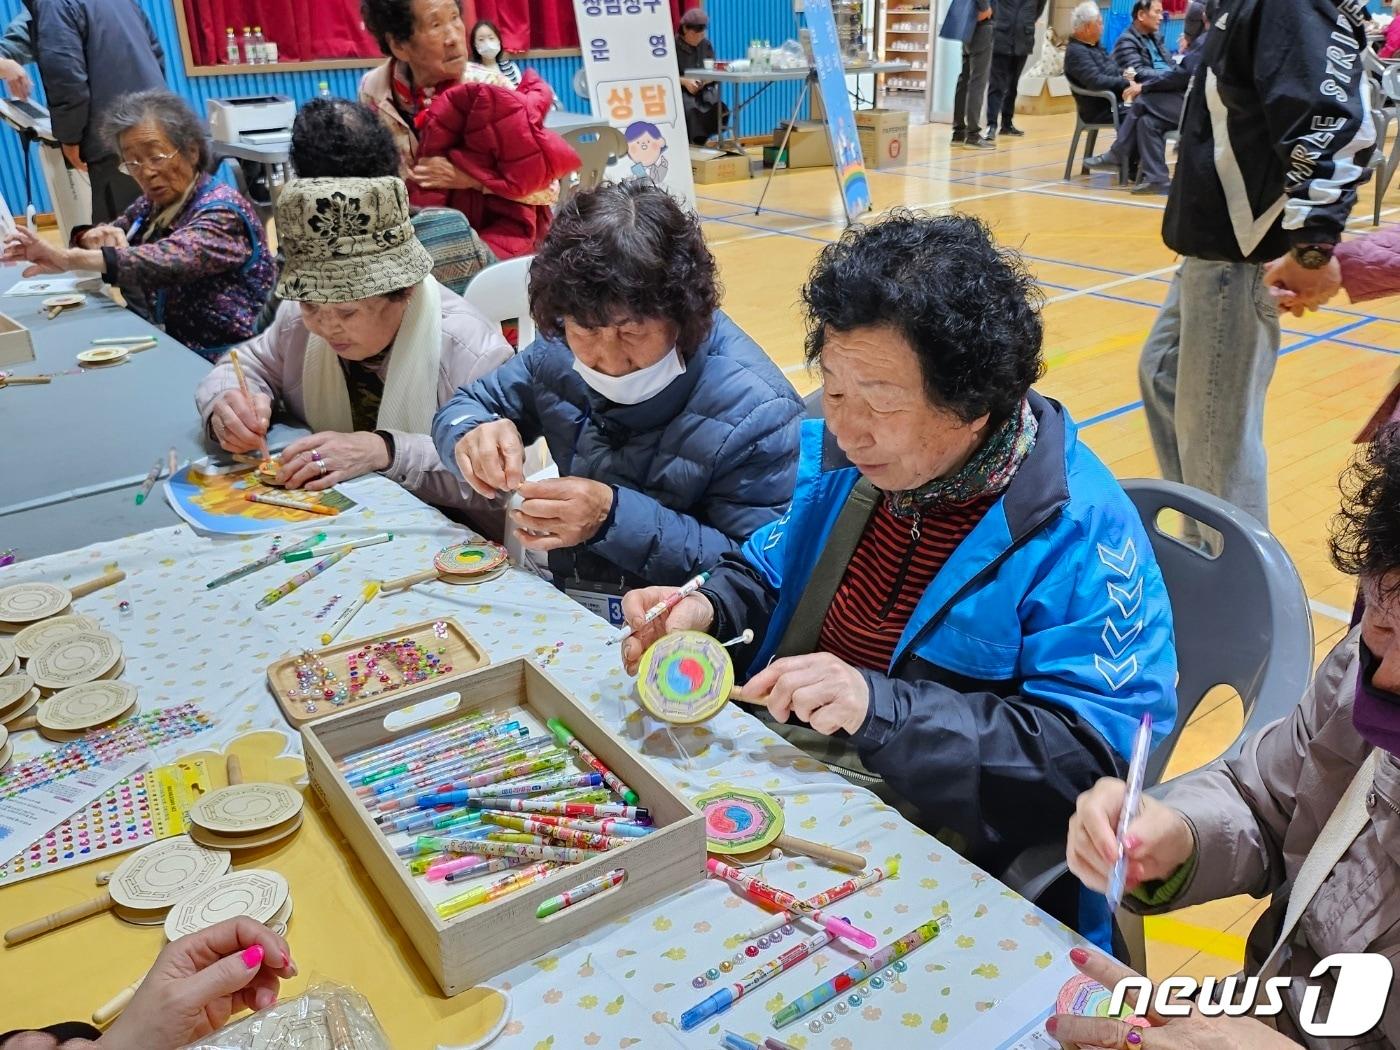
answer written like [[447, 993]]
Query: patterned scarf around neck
[[987, 473]]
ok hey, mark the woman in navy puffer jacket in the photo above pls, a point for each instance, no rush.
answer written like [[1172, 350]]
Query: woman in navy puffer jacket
[[674, 434]]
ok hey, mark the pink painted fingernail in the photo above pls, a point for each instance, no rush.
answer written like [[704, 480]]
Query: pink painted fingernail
[[1050, 1024], [253, 957], [1078, 956], [1131, 843]]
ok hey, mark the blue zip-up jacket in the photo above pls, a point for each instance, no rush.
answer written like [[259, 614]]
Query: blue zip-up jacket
[[694, 470], [1027, 664]]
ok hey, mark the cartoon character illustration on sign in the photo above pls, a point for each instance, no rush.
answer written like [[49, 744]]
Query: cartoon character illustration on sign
[[647, 148]]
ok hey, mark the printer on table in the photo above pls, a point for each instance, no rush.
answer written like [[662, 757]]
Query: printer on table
[[253, 119]]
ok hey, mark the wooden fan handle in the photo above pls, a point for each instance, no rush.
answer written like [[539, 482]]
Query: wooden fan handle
[[29, 721], [26, 380], [58, 920], [105, 580], [403, 584], [837, 858], [233, 765], [107, 1012]]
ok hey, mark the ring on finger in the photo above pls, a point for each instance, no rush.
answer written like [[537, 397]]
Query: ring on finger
[[1133, 1039], [324, 469], [316, 455]]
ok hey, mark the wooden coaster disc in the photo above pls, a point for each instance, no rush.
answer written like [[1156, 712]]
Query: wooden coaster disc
[[14, 713], [88, 706], [6, 753], [284, 914], [256, 893], [34, 639], [24, 603], [14, 689], [102, 356], [246, 808], [471, 560], [76, 659], [61, 302], [252, 840], [158, 875], [141, 916], [8, 656], [267, 472]]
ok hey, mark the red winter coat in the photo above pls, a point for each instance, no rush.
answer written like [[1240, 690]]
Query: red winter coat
[[497, 136]]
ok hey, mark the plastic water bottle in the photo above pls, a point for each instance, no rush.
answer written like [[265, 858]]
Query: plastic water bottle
[[231, 51], [323, 89], [259, 46], [249, 49]]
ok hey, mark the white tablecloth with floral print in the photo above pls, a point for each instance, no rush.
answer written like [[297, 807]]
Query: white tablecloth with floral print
[[987, 981]]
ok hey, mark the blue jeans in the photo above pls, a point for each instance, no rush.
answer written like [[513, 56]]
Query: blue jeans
[[1204, 372]]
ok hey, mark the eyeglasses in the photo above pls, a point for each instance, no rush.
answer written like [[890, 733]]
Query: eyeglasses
[[159, 160]]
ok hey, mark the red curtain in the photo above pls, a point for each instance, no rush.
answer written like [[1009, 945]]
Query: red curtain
[[334, 30]]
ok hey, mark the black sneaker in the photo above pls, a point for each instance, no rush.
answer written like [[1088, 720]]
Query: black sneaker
[[991, 135], [1101, 162], [978, 142], [1152, 189], [959, 139], [1010, 129]]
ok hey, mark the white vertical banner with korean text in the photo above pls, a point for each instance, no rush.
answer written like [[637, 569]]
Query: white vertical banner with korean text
[[629, 57]]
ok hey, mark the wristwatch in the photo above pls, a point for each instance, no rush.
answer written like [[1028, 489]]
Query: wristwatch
[[1313, 256]]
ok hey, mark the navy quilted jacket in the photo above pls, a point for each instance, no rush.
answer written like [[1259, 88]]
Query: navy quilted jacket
[[696, 469]]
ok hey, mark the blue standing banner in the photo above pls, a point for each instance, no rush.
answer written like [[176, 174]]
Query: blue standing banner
[[840, 120]]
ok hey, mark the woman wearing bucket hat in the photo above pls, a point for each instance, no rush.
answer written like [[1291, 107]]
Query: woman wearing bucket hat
[[365, 347]]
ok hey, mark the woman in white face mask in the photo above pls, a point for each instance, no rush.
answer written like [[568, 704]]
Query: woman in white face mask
[[675, 435], [486, 51]]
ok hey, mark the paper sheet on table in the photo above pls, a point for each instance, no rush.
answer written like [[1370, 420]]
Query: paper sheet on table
[[218, 504], [30, 814], [58, 284]]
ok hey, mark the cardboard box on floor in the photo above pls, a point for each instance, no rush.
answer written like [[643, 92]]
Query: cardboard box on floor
[[16, 348], [884, 136], [807, 146], [713, 165]]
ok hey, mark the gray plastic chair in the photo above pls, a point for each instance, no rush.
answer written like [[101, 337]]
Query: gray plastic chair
[[597, 145], [813, 403], [1082, 127], [1242, 620]]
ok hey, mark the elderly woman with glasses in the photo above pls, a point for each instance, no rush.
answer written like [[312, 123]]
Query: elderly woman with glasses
[[190, 254]]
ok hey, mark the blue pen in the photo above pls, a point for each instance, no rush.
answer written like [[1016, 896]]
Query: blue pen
[[717, 1003], [1137, 769], [735, 1041]]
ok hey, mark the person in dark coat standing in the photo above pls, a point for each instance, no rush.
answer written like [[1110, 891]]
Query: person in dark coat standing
[[91, 52], [970, 94], [703, 109], [1015, 37]]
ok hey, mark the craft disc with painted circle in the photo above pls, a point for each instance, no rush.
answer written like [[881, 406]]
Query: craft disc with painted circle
[[256, 893], [59, 302], [85, 706], [75, 659], [141, 916], [14, 688], [8, 655], [246, 808], [158, 875], [23, 603], [6, 753], [739, 820], [685, 677], [470, 559], [34, 639], [103, 355], [252, 840]]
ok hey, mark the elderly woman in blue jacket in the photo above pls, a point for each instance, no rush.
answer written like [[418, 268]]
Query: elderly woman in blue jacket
[[961, 608], [674, 434]]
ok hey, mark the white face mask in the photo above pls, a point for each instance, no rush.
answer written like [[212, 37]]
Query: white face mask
[[488, 49], [634, 387]]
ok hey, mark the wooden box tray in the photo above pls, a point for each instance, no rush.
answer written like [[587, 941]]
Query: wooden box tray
[[463, 655], [483, 941]]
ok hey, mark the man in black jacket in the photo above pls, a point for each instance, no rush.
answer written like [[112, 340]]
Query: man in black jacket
[[1141, 48], [970, 92], [1275, 136], [1160, 104], [1089, 66], [1014, 38], [91, 52]]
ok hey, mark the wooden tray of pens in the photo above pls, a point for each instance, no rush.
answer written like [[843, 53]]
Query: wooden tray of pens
[[481, 941], [321, 682]]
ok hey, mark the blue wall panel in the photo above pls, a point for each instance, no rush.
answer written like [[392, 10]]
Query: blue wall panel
[[733, 23]]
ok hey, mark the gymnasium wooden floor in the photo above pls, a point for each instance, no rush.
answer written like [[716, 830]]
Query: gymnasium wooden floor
[[1098, 253]]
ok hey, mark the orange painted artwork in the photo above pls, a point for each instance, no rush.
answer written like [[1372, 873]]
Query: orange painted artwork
[[219, 503]]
